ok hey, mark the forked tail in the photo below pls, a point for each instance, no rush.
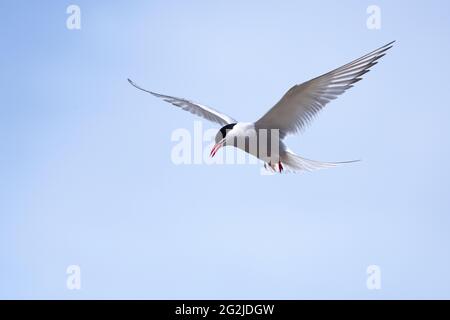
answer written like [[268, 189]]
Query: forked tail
[[295, 163]]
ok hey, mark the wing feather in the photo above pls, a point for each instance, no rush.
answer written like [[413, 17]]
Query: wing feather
[[192, 107], [302, 102]]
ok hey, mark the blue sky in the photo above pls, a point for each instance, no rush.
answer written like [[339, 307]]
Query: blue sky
[[87, 177]]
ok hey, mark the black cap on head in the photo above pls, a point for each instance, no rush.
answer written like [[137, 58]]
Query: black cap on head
[[223, 131]]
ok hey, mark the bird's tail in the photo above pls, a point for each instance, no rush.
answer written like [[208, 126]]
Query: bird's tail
[[295, 163]]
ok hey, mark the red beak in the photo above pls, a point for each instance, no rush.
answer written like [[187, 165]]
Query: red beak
[[216, 147]]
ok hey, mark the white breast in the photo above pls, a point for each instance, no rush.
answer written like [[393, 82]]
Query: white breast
[[263, 144]]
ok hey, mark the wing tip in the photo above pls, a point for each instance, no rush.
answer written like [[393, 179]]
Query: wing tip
[[132, 83], [391, 43], [349, 161], [387, 46], [142, 89]]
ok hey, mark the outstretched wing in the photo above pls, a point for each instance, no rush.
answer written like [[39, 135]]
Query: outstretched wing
[[192, 107], [302, 102]]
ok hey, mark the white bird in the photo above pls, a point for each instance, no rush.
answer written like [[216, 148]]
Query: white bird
[[290, 115]]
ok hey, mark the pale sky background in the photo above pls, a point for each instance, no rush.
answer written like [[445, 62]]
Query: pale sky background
[[87, 178]]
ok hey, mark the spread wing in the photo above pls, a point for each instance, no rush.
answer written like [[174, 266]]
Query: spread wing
[[302, 102], [192, 107]]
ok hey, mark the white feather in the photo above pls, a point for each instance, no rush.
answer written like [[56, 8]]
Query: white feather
[[192, 107], [302, 102]]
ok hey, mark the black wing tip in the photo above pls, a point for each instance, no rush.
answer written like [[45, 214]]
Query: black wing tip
[[140, 88], [350, 161], [378, 53], [135, 85], [131, 82], [388, 46]]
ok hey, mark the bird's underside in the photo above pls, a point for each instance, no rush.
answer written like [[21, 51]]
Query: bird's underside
[[295, 110]]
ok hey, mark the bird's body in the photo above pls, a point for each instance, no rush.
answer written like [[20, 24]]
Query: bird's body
[[264, 137], [267, 146], [262, 144]]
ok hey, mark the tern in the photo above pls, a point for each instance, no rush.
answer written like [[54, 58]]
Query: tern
[[290, 115]]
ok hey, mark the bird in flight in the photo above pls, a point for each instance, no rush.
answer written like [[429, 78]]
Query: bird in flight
[[299, 105]]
